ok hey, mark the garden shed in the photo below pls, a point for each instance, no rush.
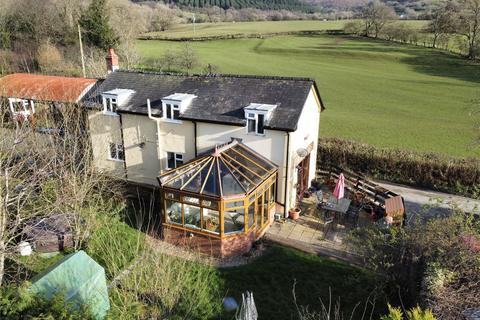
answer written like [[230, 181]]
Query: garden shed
[[220, 202], [80, 279], [50, 234]]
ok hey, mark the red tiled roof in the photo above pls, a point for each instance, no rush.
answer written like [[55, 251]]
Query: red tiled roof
[[45, 88]]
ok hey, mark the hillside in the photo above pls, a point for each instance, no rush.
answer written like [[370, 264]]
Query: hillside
[[385, 94], [293, 5], [406, 7]]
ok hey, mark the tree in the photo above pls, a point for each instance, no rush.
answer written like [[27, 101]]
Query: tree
[[469, 26], [95, 23], [187, 57], [443, 21], [41, 175], [376, 15], [162, 18]]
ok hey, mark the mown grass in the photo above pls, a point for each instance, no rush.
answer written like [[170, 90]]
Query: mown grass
[[255, 27], [272, 276], [382, 93]]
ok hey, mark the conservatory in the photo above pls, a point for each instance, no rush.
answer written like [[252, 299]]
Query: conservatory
[[220, 202]]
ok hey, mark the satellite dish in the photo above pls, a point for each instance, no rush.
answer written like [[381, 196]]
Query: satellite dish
[[302, 152]]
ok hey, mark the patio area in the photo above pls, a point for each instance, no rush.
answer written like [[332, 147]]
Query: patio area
[[325, 221], [314, 234]]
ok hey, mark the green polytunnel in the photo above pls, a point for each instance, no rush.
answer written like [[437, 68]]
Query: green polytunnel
[[80, 279]]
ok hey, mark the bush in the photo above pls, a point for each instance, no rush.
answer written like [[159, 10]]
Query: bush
[[49, 58], [429, 170], [353, 27], [413, 314], [18, 303], [434, 263]]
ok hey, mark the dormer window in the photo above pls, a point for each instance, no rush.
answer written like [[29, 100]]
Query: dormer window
[[114, 98], [174, 104], [111, 104], [256, 115], [172, 111]]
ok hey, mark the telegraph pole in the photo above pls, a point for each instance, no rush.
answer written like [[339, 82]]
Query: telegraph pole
[[81, 51]]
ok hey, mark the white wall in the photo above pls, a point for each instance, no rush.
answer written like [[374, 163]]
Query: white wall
[[176, 137], [141, 148], [305, 135], [105, 129]]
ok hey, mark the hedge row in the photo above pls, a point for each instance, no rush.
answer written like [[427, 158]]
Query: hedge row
[[238, 35], [426, 170]]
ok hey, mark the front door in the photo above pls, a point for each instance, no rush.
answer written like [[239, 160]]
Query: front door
[[303, 169]]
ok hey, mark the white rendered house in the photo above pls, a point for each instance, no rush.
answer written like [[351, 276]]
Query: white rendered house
[[144, 124]]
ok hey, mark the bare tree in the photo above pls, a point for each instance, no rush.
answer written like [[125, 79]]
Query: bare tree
[[188, 57], [42, 174], [162, 18], [376, 15], [443, 21], [469, 26]]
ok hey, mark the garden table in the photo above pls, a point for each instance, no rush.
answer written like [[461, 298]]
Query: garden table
[[337, 205]]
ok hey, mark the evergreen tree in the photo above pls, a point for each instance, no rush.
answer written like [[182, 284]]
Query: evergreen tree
[[94, 22]]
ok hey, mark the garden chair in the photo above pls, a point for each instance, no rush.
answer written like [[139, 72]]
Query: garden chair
[[327, 223]]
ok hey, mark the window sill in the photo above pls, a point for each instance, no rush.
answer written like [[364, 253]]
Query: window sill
[[256, 134], [115, 160], [172, 121], [110, 113]]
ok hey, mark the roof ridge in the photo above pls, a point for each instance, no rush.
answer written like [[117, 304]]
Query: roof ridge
[[215, 75]]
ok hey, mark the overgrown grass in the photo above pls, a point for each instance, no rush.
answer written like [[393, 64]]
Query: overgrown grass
[[382, 93], [114, 244]]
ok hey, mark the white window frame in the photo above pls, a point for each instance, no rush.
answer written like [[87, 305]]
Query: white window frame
[[176, 156], [253, 115], [119, 148], [25, 104], [109, 103], [175, 106]]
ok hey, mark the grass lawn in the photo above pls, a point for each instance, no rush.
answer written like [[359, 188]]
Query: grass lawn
[[385, 94], [257, 27], [272, 276]]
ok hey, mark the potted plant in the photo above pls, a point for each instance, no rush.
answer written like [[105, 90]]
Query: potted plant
[[294, 213]]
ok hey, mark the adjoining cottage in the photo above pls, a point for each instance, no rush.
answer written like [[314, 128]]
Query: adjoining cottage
[[39, 98]]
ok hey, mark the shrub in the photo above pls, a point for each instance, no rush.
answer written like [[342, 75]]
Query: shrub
[[49, 58], [18, 303], [410, 258], [413, 314]]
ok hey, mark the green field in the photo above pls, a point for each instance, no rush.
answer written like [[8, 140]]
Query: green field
[[386, 94], [257, 27]]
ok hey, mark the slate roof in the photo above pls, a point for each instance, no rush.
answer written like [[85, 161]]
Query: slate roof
[[220, 98], [45, 88]]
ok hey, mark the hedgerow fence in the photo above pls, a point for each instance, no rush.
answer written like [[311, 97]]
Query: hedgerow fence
[[426, 170]]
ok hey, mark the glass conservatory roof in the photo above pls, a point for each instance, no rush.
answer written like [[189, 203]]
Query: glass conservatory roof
[[233, 169]]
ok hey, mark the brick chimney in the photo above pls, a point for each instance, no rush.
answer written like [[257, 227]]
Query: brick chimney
[[112, 61]]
